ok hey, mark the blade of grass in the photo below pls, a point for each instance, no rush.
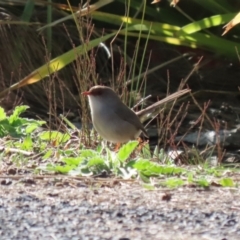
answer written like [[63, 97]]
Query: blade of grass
[[82, 12], [28, 11], [56, 64], [166, 29], [49, 30], [197, 40], [217, 6], [209, 22]]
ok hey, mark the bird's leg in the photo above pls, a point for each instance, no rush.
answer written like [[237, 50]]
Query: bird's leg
[[141, 143], [117, 147]]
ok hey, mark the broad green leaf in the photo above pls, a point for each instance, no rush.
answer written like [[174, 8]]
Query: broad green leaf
[[227, 182], [174, 182], [16, 113], [87, 153], [63, 169], [48, 154], [27, 143], [73, 161], [125, 151], [148, 186], [152, 169], [2, 114], [146, 151], [202, 182], [33, 126], [144, 178], [54, 136], [95, 161]]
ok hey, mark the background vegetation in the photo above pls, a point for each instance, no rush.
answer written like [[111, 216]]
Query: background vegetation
[[137, 47]]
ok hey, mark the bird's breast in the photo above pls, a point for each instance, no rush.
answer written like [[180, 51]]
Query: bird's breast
[[109, 125]]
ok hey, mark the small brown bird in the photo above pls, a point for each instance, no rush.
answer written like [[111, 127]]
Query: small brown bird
[[113, 120]]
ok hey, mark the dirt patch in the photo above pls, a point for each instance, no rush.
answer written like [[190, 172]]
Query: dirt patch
[[65, 208]]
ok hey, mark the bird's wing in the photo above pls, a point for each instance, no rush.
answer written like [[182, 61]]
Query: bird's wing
[[129, 116]]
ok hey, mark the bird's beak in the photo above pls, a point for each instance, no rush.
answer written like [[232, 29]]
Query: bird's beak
[[86, 93]]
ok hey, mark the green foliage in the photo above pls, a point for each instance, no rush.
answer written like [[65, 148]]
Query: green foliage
[[191, 26], [203, 182], [149, 168], [55, 136], [27, 143], [227, 182], [59, 155], [90, 162], [15, 126], [125, 151], [193, 34], [174, 182]]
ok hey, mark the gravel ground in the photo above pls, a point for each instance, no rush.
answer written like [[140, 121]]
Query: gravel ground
[[64, 208]]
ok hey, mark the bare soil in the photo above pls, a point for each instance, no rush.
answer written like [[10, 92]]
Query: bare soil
[[60, 207]]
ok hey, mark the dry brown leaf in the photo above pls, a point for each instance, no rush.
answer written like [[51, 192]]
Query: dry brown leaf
[[174, 3], [155, 1], [232, 23], [167, 197]]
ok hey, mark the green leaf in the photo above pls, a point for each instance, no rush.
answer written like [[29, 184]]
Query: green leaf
[[209, 22], [63, 169], [33, 126], [146, 151], [190, 177], [27, 143], [125, 151], [148, 186], [48, 154], [202, 182], [87, 153], [174, 182], [28, 10], [175, 35], [227, 182], [73, 161], [95, 161], [135, 23], [2, 114], [144, 178], [16, 113], [57, 63], [54, 136], [152, 169]]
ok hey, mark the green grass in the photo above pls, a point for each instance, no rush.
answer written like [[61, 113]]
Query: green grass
[[29, 147]]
